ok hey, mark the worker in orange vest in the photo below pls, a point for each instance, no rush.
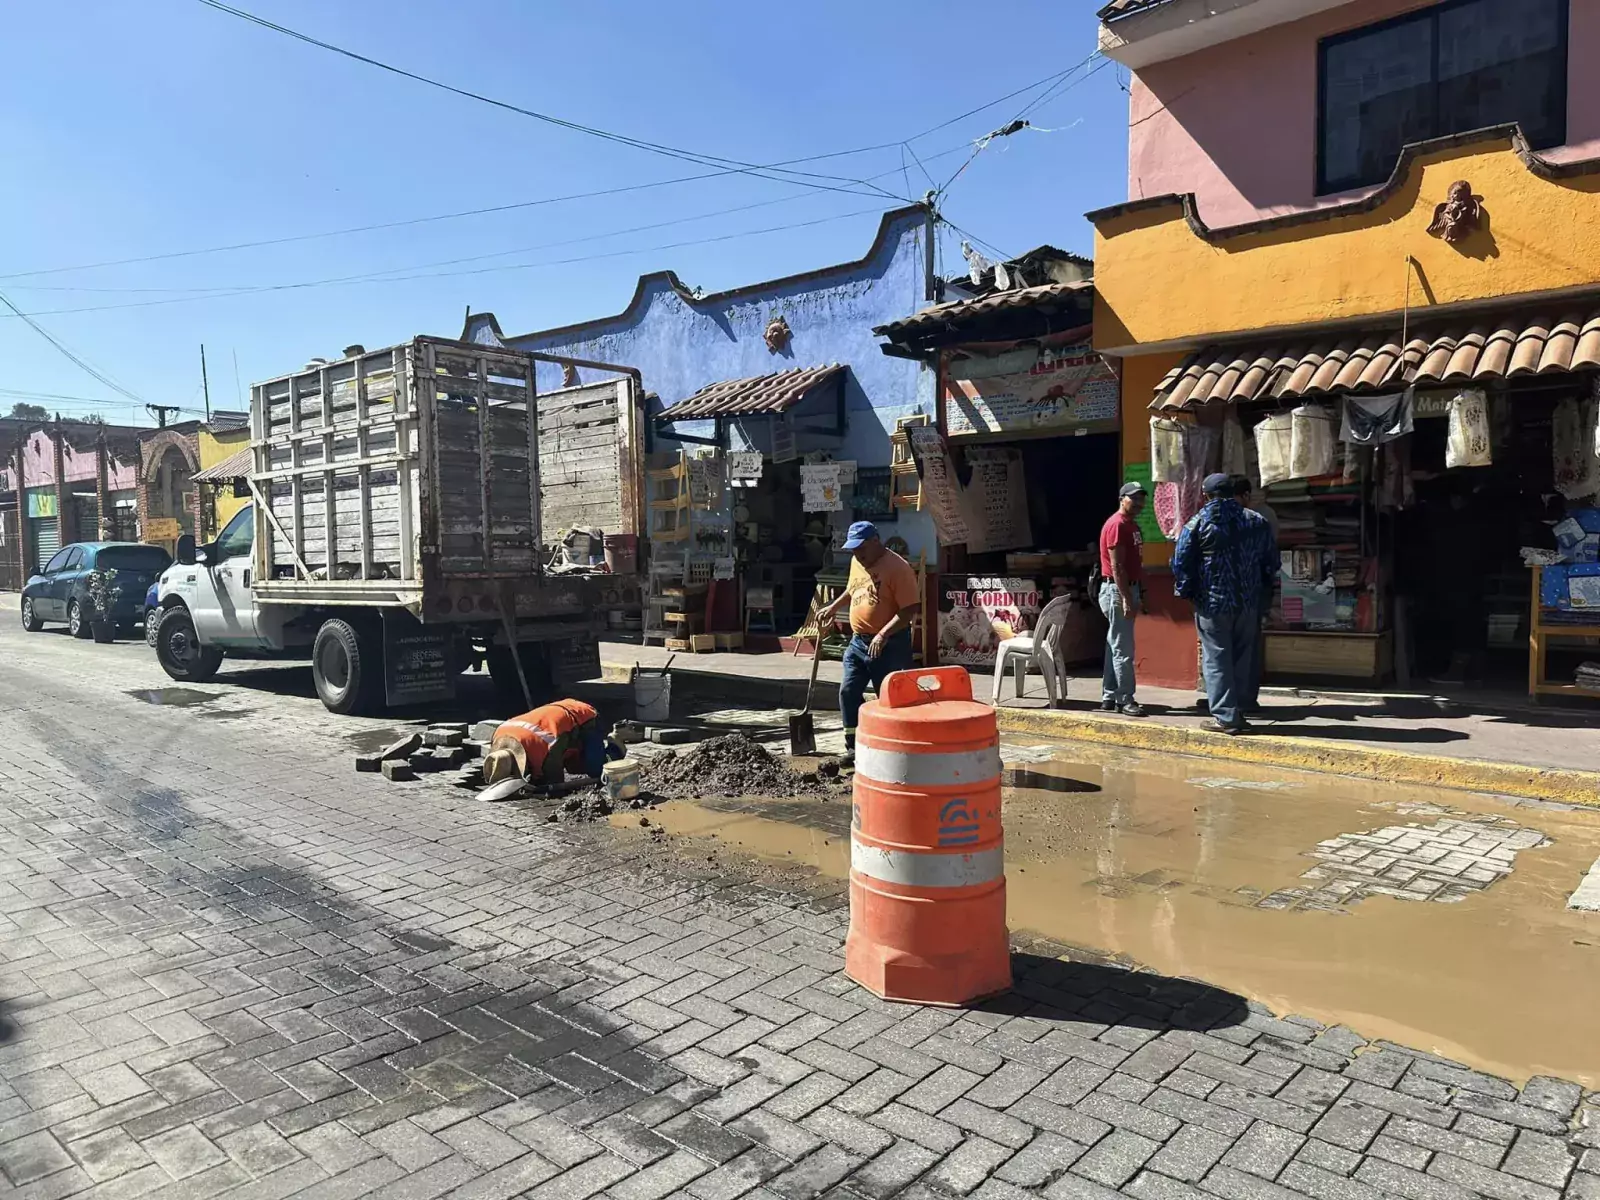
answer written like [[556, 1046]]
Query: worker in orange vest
[[544, 744]]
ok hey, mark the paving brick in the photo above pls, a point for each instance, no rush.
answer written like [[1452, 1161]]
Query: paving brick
[[893, 1170], [810, 1094], [481, 1143], [1076, 1187], [104, 1155], [1200, 1112], [1151, 1185], [1486, 1128], [1135, 1118], [1007, 1085], [406, 1144], [739, 1177], [1487, 1181], [1558, 1096], [783, 1137], [813, 1175], [1322, 1184], [919, 1127], [706, 1138], [942, 1088], [851, 1132], [1231, 1184], [1069, 1123], [1394, 1180], [1396, 1150], [664, 1178], [1116, 1158], [183, 1151], [629, 1140], [1350, 1124], [1524, 1116], [968, 1165], [1264, 1150]]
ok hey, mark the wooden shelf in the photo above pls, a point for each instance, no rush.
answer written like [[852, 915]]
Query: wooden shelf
[[1540, 636]]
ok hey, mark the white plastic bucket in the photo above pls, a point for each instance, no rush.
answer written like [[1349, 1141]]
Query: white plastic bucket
[[620, 779], [652, 695]]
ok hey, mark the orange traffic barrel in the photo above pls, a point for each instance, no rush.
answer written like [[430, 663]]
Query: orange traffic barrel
[[927, 850]]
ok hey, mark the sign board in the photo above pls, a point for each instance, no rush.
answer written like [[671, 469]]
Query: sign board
[[573, 660], [978, 612], [996, 501], [820, 489], [1053, 388], [941, 490], [162, 529], [418, 662], [744, 468], [41, 504]]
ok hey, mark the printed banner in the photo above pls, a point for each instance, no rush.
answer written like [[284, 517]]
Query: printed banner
[[941, 491], [978, 612], [996, 501], [819, 488], [1060, 387]]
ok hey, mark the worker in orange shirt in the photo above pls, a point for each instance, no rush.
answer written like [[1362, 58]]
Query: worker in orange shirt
[[543, 745], [883, 596]]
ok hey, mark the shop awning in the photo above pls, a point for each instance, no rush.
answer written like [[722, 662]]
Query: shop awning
[[235, 466], [1468, 350], [759, 394]]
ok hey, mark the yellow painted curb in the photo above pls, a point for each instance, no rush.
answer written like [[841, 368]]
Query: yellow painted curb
[[1392, 766]]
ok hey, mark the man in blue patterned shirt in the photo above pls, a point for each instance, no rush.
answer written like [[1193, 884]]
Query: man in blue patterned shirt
[[1225, 564]]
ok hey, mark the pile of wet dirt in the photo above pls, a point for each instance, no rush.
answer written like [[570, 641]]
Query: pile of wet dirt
[[736, 765]]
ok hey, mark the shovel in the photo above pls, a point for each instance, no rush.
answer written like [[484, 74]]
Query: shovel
[[802, 733]]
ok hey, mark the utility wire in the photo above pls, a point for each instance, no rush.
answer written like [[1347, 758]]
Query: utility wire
[[538, 203], [80, 363], [825, 182]]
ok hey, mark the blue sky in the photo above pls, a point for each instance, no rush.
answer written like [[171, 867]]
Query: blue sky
[[135, 130]]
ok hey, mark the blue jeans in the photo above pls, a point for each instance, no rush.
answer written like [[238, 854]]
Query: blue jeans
[[1228, 644], [1116, 680], [861, 669]]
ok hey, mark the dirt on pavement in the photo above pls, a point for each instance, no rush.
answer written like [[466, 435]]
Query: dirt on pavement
[[737, 765]]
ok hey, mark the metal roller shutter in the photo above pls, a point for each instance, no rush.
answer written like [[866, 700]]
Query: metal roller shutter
[[46, 540]]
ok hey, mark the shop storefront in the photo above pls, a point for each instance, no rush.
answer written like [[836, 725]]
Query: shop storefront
[[1022, 466], [744, 521]]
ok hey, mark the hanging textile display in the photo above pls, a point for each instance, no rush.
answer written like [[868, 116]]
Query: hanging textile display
[[1395, 487], [1235, 455], [1467, 443], [1577, 470], [1373, 420], [1310, 442], [1166, 450], [1274, 439]]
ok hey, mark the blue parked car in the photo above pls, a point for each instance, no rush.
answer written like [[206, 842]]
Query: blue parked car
[[60, 592]]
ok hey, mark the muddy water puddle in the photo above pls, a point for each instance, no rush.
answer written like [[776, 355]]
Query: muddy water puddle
[[1436, 919]]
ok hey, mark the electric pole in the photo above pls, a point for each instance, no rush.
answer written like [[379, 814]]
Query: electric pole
[[204, 382], [160, 411]]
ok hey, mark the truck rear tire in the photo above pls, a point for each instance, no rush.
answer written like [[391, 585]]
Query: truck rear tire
[[503, 670], [346, 667], [180, 653]]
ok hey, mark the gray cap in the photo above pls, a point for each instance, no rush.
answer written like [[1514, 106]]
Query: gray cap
[[1131, 489]]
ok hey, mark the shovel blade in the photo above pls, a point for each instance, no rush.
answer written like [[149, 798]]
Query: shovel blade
[[802, 735]]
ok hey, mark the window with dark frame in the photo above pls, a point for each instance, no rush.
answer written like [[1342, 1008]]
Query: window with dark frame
[[1449, 69]]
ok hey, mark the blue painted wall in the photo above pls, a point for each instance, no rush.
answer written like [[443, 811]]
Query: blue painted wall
[[680, 343]]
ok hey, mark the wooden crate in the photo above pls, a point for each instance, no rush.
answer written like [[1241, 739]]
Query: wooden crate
[[702, 643], [729, 641], [1317, 653], [677, 644]]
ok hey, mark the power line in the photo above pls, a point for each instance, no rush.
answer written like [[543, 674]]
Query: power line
[[377, 276], [80, 363], [514, 206], [390, 278], [560, 122]]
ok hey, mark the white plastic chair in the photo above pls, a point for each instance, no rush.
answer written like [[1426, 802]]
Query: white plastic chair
[[1021, 653]]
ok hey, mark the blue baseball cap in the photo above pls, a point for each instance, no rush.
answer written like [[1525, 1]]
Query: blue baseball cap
[[1218, 484], [861, 531]]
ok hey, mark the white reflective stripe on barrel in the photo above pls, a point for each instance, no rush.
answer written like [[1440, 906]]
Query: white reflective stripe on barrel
[[927, 870], [928, 770]]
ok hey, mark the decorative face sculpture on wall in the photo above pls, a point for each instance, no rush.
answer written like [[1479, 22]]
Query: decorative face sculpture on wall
[[1459, 216], [777, 335]]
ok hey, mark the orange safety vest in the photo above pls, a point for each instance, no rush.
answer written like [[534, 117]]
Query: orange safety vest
[[547, 728]]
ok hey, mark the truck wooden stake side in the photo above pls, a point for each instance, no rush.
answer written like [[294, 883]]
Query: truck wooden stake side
[[394, 532]]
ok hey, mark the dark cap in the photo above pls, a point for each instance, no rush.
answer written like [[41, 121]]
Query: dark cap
[[1220, 484], [1131, 489]]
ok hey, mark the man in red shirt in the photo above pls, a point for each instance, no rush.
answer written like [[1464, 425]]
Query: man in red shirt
[[1121, 593]]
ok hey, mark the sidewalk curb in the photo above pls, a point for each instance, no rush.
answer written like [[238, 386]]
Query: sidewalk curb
[[1390, 766], [747, 689]]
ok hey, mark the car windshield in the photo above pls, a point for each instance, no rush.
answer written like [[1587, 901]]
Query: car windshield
[[133, 558]]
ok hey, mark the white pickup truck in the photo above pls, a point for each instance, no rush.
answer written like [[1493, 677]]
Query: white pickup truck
[[394, 530]]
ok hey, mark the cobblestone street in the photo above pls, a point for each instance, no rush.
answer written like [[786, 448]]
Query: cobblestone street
[[233, 967]]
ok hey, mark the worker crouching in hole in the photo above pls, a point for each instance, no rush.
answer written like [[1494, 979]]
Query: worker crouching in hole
[[545, 745]]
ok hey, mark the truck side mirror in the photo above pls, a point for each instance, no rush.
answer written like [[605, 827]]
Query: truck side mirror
[[186, 555]]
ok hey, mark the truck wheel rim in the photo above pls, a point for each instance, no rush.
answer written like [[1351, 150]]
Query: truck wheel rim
[[181, 647], [335, 666]]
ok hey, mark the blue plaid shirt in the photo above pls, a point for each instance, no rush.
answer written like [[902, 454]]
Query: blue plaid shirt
[[1226, 559]]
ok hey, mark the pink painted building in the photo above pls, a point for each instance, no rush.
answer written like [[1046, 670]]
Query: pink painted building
[[1263, 108]]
